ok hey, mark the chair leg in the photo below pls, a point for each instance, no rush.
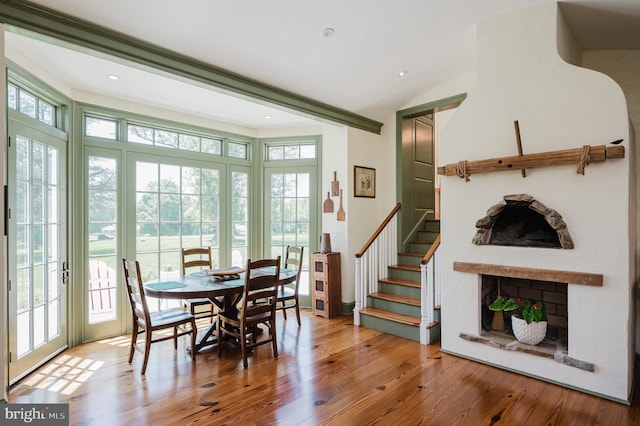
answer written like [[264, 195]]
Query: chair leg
[[175, 338], [147, 349], [284, 310], [298, 312], [243, 345], [274, 343], [194, 331], [134, 339]]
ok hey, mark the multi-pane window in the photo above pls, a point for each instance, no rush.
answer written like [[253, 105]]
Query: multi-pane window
[[176, 206], [173, 139], [37, 234], [291, 152], [289, 211], [31, 105]]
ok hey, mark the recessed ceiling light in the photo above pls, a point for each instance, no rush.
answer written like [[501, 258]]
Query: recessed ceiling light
[[402, 73], [267, 116], [328, 32], [113, 77]]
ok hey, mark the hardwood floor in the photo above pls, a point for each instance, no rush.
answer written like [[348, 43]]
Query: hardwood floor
[[328, 373]]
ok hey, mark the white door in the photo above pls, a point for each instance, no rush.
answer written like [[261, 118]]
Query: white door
[[36, 247]]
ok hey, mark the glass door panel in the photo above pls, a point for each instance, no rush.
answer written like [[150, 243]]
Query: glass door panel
[[290, 204], [37, 253]]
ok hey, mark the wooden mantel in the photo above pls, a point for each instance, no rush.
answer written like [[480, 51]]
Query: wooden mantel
[[570, 277]]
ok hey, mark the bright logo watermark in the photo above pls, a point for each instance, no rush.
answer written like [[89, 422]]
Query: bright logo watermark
[[35, 414]]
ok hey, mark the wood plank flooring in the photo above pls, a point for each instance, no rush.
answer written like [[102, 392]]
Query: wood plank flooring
[[328, 373]]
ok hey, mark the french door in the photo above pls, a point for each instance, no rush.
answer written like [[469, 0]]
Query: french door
[[36, 246], [291, 203]]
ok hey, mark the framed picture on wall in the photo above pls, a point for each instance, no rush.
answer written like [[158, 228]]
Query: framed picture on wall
[[364, 179]]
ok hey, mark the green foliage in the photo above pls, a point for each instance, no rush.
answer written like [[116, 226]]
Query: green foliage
[[500, 304], [529, 310]]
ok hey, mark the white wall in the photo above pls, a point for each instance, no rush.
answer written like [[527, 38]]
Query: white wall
[[559, 106]]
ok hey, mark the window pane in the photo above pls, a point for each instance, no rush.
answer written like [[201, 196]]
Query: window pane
[[102, 173], [101, 127], [140, 134], [166, 139], [146, 177], [291, 152], [189, 143], [46, 113], [12, 96], [275, 153], [211, 146], [307, 151], [237, 150], [27, 104]]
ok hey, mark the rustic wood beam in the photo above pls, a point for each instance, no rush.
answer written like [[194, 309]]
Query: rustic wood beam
[[542, 159], [570, 277]]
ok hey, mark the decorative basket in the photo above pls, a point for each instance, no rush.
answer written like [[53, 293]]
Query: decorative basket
[[530, 334]]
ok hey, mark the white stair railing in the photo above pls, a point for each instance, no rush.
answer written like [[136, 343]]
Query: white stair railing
[[430, 290], [373, 260]]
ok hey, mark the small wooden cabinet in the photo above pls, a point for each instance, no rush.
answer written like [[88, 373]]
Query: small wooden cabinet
[[326, 284]]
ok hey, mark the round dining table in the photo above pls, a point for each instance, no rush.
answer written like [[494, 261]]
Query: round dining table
[[223, 290]]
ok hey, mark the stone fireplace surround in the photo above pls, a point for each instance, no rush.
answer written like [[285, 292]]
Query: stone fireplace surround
[[522, 75]]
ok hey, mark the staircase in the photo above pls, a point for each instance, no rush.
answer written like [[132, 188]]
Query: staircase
[[395, 308]]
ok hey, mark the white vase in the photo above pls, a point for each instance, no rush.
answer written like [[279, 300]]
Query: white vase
[[531, 334]]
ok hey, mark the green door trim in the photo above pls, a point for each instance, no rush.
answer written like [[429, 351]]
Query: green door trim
[[430, 107], [65, 29]]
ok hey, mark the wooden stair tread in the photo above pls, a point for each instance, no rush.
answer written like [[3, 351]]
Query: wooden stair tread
[[413, 301], [421, 242], [391, 316], [406, 267], [412, 254], [396, 281]]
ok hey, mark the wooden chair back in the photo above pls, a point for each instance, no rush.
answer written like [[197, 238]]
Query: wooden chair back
[[260, 287], [257, 306], [293, 260], [135, 290], [145, 322], [199, 256]]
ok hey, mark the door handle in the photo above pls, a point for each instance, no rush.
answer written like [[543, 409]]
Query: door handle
[[65, 272]]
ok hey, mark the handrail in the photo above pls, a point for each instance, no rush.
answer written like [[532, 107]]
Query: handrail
[[427, 257], [378, 231]]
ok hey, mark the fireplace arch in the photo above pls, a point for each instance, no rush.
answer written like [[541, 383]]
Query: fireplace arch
[[522, 221]]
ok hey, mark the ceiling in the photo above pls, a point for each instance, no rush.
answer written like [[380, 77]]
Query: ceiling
[[283, 43]]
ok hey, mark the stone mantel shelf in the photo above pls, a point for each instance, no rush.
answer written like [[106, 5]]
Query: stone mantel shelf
[[569, 277]]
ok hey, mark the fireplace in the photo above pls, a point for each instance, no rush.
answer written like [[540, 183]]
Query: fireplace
[[559, 236], [521, 220]]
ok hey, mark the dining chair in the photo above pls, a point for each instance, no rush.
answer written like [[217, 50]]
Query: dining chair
[[198, 257], [257, 306], [289, 292], [147, 322]]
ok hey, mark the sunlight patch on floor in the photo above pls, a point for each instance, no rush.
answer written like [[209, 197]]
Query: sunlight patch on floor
[[64, 374]]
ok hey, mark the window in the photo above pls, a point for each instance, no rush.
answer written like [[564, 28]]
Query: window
[[101, 127], [173, 139], [237, 150], [302, 151], [176, 206], [31, 105]]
